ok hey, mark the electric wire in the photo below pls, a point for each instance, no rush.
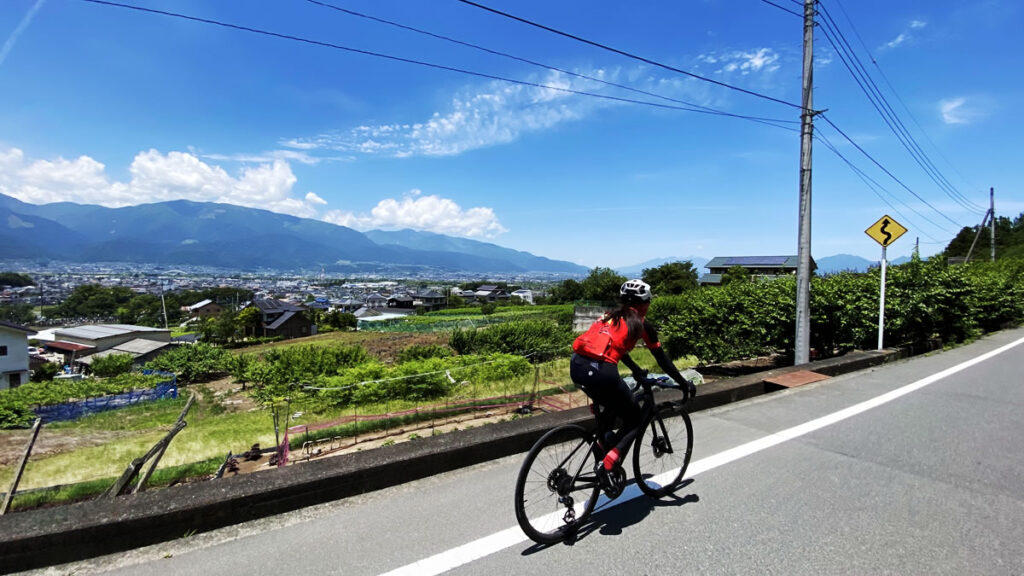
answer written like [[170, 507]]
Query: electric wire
[[630, 55], [418, 62], [892, 89], [885, 110], [545, 66], [886, 170], [888, 116], [874, 186], [783, 8]]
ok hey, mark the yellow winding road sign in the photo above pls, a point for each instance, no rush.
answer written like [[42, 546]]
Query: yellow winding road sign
[[886, 230]]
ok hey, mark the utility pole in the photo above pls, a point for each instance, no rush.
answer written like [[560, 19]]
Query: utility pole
[[803, 272], [992, 211]]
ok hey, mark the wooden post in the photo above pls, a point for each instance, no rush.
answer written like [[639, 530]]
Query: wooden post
[[21, 467], [160, 454]]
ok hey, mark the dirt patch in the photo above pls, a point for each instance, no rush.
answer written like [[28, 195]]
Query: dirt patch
[[51, 442]]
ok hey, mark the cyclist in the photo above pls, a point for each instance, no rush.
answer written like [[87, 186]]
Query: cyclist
[[594, 369]]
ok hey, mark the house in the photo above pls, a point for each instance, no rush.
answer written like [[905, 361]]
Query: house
[[430, 300], [524, 295], [13, 354], [205, 309], [489, 293], [282, 319], [402, 301], [375, 301], [762, 267]]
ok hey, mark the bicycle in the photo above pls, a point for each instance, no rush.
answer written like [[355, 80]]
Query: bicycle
[[558, 485]]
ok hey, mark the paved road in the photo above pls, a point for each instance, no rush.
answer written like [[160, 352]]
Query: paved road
[[912, 468]]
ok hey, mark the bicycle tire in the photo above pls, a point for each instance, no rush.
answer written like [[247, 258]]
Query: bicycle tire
[[662, 450], [558, 472]]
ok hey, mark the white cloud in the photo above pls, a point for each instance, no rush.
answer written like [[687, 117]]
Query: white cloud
[[431, 213], [959, 111], [904, 36], [155, 177], [745, 62], [499, 113]]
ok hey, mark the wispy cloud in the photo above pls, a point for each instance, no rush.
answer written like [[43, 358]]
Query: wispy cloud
[[743, 62], [960, 111], [430, 213], [497, 113], [22, 26], [905, 36]]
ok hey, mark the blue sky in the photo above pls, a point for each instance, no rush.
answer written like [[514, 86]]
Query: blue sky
[[106, 105]]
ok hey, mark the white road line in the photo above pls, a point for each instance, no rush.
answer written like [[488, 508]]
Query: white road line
[[449, 559]]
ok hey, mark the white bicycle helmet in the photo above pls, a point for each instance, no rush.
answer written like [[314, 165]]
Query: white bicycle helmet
[[635, 290]]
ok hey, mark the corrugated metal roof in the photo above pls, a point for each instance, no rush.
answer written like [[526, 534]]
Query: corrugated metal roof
[[199, 305], [140, 346], [98, 331]]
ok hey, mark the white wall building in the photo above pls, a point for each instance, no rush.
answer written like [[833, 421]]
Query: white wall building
[[13, 354]]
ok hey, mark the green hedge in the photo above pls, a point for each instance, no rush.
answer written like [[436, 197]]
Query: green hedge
[[924, 299], [539, 339]]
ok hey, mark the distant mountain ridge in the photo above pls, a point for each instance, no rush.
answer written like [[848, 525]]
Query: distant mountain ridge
[[203, 233]]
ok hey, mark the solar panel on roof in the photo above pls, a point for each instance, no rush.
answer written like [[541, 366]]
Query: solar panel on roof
[[756, 261]]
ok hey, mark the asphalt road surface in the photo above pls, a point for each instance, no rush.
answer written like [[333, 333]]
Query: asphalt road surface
[[916, 467]]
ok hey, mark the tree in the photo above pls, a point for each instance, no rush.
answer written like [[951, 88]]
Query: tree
[[671, 278], [568, 291], [248, 321], [16, 280], [735, 274], [17, 312], [602, 285], [489, 308], [456, 301]]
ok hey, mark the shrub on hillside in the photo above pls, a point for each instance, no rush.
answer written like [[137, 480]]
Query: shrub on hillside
[[540, 339], [112, 365]]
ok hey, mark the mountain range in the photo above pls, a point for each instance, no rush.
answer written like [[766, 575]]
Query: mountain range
[[181, 232], [223, 235]]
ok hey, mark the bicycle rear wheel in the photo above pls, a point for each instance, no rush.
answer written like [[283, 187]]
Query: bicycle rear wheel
[[556, 489], [662, 452]]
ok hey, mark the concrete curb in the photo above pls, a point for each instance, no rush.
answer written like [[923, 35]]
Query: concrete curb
[[46, 537]]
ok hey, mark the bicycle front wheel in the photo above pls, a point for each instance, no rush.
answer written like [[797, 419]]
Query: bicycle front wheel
[[556, 489], [662, 451]]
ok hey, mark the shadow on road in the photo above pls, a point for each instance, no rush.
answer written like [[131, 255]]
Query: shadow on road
[[611, 521]]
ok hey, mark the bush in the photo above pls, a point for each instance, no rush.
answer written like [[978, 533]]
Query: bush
[[193, 363], [539, 339], [112, 365], [422, 352]]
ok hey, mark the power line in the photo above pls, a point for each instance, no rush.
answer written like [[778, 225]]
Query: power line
[[886, 170], [874, 186], [630, 55], [783, 8], [900, 100], [542, 65], [421, 62], [867, 85]]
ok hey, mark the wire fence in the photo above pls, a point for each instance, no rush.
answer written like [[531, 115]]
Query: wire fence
[[545, 396]]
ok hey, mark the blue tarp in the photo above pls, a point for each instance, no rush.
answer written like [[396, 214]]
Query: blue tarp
[[75, 410]]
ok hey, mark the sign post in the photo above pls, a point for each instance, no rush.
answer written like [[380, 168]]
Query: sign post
[[885, 232]]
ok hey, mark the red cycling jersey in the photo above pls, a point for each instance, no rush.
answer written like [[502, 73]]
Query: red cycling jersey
[[609, 341]]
